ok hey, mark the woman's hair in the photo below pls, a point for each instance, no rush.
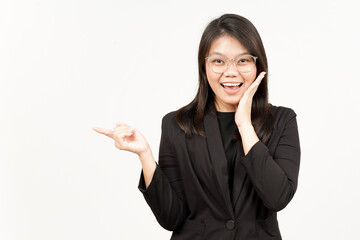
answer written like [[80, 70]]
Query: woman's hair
[[190, 116]]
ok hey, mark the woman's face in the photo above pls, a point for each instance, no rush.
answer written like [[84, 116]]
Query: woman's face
[[227, 97]]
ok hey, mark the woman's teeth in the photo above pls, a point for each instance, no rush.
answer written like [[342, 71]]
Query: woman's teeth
[[231, 84]]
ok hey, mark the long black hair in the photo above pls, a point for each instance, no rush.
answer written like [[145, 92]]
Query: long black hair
[[190, 116]]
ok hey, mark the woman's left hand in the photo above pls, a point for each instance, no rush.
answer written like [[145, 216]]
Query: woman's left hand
[[243, 111]]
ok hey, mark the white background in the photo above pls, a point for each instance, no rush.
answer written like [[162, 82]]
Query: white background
[[69, 65]]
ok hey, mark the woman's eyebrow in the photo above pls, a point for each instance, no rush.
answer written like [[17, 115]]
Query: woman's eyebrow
[[218, 53]]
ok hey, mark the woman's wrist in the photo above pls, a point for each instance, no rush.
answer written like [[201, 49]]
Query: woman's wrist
[[248, 137], [148, 165], [145, 154], [245, 127]]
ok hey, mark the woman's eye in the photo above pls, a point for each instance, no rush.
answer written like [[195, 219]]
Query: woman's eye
[[243, 60], [218, 61]]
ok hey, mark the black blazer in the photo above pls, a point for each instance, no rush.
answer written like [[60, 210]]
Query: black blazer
[[189, 191]]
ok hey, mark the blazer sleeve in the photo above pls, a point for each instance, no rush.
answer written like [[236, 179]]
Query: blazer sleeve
[[165, 194], [275, 176]]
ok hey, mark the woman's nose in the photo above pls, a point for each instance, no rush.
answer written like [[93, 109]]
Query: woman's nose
[[231, 68]]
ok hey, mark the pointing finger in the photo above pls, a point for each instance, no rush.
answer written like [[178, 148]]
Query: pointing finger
[[104, 131]]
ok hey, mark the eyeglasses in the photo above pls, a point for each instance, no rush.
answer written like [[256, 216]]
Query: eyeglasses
[[219, 64]]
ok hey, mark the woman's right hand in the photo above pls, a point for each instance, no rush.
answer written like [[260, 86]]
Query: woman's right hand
[[126, 138]]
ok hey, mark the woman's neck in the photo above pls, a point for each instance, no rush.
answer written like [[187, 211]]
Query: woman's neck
[[221, 107]]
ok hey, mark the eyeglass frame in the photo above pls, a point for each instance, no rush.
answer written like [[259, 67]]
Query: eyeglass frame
[[228, 60]]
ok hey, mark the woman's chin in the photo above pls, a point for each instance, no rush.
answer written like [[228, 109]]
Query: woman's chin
[[234, 102]]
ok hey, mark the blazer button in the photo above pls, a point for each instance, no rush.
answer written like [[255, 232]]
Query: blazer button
[[230, 225]]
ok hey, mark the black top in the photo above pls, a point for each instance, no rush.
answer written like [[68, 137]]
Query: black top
[[228, 127]]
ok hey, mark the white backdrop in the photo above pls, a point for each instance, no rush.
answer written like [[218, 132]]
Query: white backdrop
[[69, 65]]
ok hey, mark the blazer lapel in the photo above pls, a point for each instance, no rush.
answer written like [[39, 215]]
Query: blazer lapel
[[217, 154]]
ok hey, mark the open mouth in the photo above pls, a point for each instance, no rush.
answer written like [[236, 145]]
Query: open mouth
[[231, 85]]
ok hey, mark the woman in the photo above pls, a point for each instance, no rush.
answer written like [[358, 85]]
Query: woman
[[229, 160]]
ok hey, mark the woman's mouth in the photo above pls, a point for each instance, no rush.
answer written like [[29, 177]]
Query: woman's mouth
[[231, 88], [230, 85]]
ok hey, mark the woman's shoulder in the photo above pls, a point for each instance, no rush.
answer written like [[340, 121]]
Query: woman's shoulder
[[169, 116], [282, 113], [169, 121]]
